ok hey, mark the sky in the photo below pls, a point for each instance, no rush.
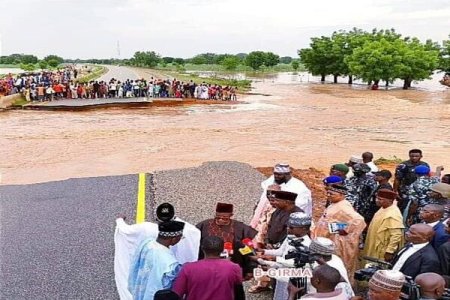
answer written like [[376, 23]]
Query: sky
[[183, 28]]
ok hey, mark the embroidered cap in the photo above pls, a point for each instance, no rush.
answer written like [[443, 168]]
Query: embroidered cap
[[322, 246], [356, 159], [165, 212], [389, 280], [282, 168], [299, 219], [338, 188], [170, 229]]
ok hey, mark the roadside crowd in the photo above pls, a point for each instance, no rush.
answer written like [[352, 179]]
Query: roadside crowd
[[403, 229], [62, 84]]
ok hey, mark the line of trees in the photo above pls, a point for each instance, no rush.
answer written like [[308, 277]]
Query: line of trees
[[256, 60], [380, 55], [30, 62]]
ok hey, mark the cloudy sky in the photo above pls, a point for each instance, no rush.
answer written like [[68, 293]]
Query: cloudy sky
[[183, 28]]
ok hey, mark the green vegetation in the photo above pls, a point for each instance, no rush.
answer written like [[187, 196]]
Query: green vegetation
[[9, 66], [94, 74], [382, 55], [387, 161], [20, 102]]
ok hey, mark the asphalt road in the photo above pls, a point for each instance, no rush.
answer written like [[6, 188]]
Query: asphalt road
[[56, 238], [119, 73]]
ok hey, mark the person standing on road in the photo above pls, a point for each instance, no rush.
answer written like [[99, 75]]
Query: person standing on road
[[154, 266]]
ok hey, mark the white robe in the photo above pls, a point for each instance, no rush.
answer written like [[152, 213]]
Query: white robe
[[303, 200], [127, 239]]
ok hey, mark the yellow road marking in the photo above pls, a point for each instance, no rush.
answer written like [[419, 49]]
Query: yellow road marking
[[140, 210]]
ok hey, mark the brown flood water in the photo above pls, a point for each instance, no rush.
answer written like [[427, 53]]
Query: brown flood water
[[307, 125]]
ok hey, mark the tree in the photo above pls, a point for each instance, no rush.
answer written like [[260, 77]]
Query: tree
[[53, 63], [444, 56], [418, 61], [43, 64], [230, 63], [29, 59], [27, 67], [376, 60], [146, 59], [255, 59], [271, 59], [56, 58], [285, 60], [168, 60], [179, 61], [317, 58], [295, 64]]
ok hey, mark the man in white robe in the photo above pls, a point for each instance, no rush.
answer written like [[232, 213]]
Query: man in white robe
[[127, 239], [282, 176], [154, 267]]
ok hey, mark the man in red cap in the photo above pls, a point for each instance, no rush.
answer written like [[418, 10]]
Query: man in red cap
[[385, 233], [232, 232]]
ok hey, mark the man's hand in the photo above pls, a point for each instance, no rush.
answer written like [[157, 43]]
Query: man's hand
[[269, 246], [293, 290], [268, 257], [388, 256]]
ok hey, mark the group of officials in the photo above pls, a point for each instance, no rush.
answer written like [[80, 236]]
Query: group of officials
[[364, 214]]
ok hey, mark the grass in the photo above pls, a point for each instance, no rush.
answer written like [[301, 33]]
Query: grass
[[20, 102], [96, 73], [387, 161], [9, 66]]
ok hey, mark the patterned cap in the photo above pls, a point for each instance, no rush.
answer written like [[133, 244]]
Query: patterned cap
[[388, 280], [165, 212], [322, 246], [282, 168], [299, 219], [336, 187], [170, 229], [357, 159]]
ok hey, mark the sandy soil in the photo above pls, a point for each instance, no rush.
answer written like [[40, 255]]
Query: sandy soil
[[307, 125]]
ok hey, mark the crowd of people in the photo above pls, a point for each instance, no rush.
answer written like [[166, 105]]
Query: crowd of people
[[403, 227], [62, 84]]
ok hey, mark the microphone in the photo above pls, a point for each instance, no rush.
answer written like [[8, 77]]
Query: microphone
[[248, 248], [227, 249]]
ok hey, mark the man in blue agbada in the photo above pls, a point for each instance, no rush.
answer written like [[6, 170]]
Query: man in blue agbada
[[154, 266]]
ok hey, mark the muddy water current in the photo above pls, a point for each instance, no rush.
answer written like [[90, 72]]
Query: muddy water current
[[305, 124]]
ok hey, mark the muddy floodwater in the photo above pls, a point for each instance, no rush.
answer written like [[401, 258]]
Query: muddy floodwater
[[304, 124]]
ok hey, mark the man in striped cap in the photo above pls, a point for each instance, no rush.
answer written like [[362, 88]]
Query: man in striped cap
[[386, 285]]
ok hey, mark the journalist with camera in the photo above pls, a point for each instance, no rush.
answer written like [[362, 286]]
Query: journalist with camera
[[298, 227]]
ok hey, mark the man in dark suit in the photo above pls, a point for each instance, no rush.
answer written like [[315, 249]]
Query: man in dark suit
[[444, 256], [432, 214], [418, 256]]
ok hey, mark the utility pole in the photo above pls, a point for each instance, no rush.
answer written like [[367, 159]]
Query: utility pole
[[118, 50]]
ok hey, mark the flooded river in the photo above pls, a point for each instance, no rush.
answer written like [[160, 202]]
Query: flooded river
[[305, 124]]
